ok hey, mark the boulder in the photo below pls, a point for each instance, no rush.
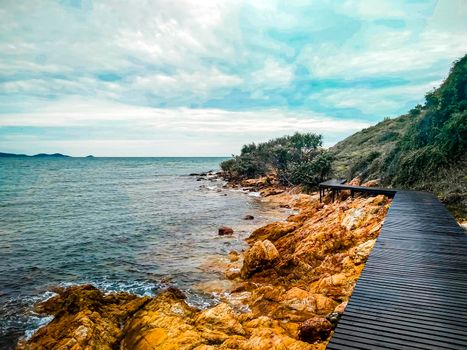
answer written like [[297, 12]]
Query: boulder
[[356, 181], [272, 231], [217, 323], [270, 191], [224, 230], [234, 256], [352, 218], [84, 318], [261, 255], [248, 217], [361, 252], [371, 183], [315, 329]]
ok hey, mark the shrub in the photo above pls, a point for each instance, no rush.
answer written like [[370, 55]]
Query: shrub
[[296, 159], [362, 165], [437, 137]]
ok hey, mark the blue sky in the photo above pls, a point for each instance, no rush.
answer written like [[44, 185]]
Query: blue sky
[[188, 78]]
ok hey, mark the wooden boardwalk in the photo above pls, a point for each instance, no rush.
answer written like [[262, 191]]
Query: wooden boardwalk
[[338, 185], [412, 293]]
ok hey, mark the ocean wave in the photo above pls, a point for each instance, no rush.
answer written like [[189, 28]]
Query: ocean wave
[[254, 194]]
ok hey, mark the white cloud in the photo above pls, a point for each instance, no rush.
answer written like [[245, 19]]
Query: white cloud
[[273, 75], [81, 113], [202, 83], [375, 101], [394, 56], [125, 130], [375, 9]]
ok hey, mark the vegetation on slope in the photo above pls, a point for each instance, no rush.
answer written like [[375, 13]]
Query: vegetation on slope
[[423, 150]]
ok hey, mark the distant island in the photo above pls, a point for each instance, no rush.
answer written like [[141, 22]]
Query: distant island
[[39, 155]]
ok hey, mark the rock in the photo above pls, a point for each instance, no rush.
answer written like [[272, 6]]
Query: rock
[[341, 307], [324, 304], [334, 318], [315, 329], [165, 322], [272, 231], [84, 318], [352, 218], [378, 200], [232, 273], [270, 191], [224, 230], [361, 252], [262, 254], [257, 183], [233, 256], [356, 181], [371, 183], [248, 217], [300, 300], [176, 293], [217, 323]]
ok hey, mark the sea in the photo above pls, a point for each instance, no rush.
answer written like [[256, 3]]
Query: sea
[[122, 224]]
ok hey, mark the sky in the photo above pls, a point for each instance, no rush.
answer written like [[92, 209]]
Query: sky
[[202, 77]]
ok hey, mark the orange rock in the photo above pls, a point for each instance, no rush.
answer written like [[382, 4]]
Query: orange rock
[[356, 181], [262, 254], [84, 318], [233, 256], [270, 191], [371, 183], [272, 231]]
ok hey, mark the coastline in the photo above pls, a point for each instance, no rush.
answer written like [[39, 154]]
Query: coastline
[[286, 290]]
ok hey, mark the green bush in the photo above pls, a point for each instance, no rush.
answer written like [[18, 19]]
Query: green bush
[[311, 172], [437, 136], [296, 159], [362, 165]]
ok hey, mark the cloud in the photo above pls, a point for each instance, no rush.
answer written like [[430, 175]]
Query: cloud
[[232, 70], [123, 128], [273, 75], [200, 84], [376, 101], [392, 54], [77, 113]]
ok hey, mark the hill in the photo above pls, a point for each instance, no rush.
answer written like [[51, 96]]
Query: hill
[[424, 149], [40, 155]]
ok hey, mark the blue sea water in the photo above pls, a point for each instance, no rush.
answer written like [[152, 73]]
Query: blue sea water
[[131, 224]]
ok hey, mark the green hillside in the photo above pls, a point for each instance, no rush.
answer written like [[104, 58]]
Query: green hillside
[[424, 149]]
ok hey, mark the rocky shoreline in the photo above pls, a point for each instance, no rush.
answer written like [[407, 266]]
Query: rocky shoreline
[[286, 291]]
